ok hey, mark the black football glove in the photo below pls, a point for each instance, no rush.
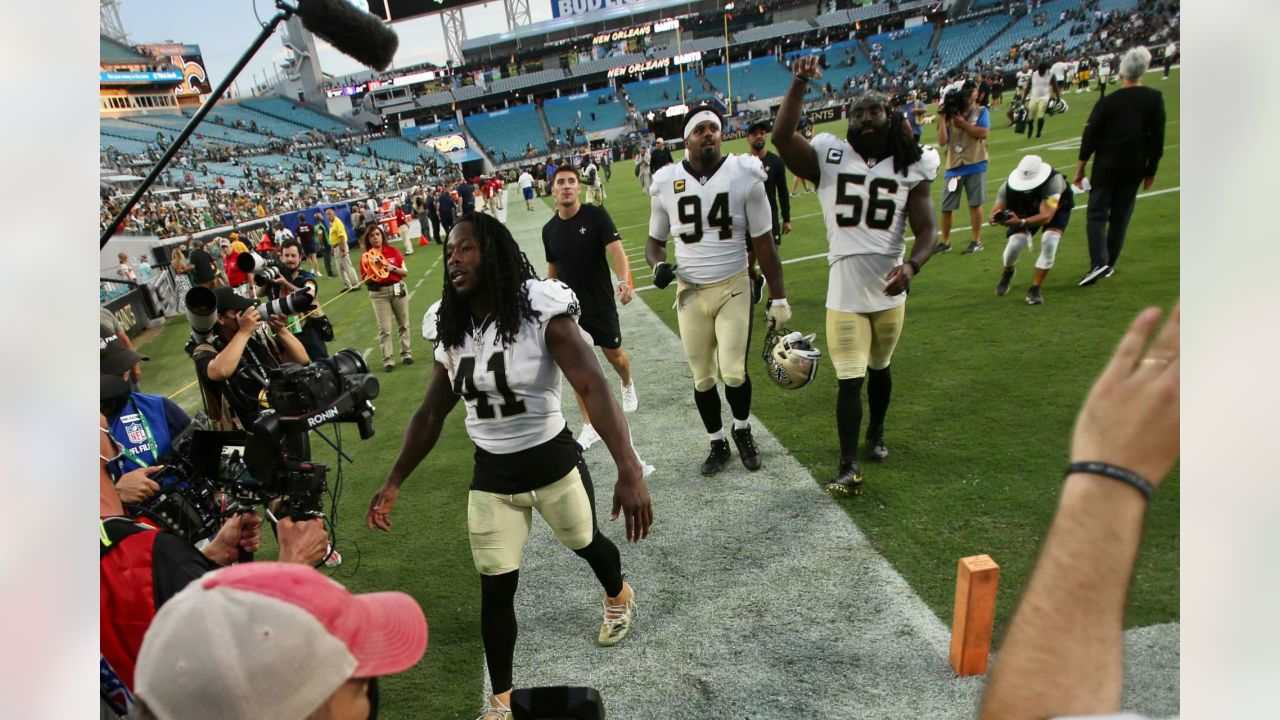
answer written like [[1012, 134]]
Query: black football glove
[[663, 275]]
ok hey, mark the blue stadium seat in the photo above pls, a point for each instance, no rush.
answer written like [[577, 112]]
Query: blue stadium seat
[[961, 40], [508, 131], [647, 95], [763, 76], [283, 109], [914, 48], [562, 112]]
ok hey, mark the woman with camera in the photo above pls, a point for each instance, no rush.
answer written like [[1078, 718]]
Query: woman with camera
[[382, 270]]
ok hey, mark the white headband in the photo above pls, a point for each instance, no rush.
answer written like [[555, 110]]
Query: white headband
[[698, 117]]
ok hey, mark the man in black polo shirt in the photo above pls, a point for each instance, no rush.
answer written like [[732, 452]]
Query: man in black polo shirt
[[205, 270], [775, 188], [579, 243]]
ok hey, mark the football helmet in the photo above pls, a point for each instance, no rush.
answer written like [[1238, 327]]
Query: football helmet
[[790, 358], [1057, 106]]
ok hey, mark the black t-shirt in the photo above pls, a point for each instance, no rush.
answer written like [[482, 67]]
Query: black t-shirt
[[658, 158], [241, 389], [306, 235], [577, 247], [202, 261], [775, 187]]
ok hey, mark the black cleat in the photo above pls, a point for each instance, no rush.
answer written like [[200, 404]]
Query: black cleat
[[747, 448], [719, 456], [848, 480], [941, 248], [974, 246], [1002, 287], [1094, 275], [1034, 297], [876, 449]]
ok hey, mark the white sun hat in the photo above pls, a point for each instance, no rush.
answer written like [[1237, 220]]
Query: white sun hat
[[1031, 171]]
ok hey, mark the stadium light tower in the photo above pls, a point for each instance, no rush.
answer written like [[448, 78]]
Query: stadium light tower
[[455, 31], [109, 23], [517, 13]]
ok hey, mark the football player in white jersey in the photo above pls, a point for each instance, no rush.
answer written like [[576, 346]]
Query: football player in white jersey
[[711, 204], [1043, 87], [871, 183], [502, 338]]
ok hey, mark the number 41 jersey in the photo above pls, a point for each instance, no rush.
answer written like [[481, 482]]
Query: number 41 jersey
[[512, 392]]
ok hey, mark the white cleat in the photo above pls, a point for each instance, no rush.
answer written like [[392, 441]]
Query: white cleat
[[629, 400], [588, 437]]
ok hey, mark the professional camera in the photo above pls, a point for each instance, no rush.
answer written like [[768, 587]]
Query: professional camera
[[954, 99], [186, 503], [264, 271], [1003, 216], [291, 304], [202, 310]]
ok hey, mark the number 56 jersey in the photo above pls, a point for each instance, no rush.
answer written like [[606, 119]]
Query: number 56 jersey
[[512, 392]]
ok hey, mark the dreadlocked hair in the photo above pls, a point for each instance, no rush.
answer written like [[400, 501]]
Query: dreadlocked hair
[[505, 269], [901, 145]]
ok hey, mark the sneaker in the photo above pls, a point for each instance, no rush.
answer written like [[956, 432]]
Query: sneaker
[[1110, 271], [747, 448], [494, 710], [848, 479], [333, 559], [876, 448], [974, 246], [719, 456], [588, 437], [617, 620], [407, 361], [629, 400], [1002, 287], [1034, 297], [1092, 276], [941, 248], [388, 367]]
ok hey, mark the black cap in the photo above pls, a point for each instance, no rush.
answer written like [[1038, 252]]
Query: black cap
[[116, 359], [229, 299], [761, 124]]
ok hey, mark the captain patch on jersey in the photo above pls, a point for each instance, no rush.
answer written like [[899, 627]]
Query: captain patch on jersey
[[714, 214], [512, 393]]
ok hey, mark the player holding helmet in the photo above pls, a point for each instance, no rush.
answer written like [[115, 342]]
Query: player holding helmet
[[870, 183]]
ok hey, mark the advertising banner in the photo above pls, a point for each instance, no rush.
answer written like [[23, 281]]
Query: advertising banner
[[579, 8], [188, 60]]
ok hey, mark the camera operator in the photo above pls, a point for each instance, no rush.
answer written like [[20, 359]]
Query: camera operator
[[312, 328], [963, 132], [142, 567], [236, 365]]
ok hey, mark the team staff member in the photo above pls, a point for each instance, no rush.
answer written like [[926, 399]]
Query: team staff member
[[870, 184], [502, 339], [711, 204], [339, 246], [308, 328], [204, 269], [964, 135], [382, 268], [775, 188], [1035, 196], [579, 242], [660, 157]]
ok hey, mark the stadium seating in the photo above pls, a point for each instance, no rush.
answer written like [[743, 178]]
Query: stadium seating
[[230, 112], [292, 112], [444, 127], [647, 95], [984, 3], [914, 48], [121, 144], [961, 40], [1025, 28], [401, 150], [508, 131], [562, 112], [206, 132], [762, 76], [1107, 6]]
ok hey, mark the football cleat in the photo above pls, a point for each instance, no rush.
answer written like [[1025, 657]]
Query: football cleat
[[629, 399], [790, 359], [1002, 287], [617, 621], [848, 479], [974, 246], [876, 449], [494, 710], [1034, 297], [941, 248], [718, 458], [588, 437], [747, 448]]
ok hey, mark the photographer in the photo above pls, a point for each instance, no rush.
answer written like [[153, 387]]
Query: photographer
[[313, 328], [236, 364], [963, 132]]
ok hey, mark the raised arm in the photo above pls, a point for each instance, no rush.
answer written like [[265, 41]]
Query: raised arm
[[795, 151]]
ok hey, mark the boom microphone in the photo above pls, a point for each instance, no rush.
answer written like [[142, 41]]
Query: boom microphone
[[353, 32]]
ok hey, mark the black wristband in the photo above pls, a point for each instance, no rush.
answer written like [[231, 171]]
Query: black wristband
[[914, 265], [1128, 477]]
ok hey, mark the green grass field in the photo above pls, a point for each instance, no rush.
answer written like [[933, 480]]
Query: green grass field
[[986, 391]]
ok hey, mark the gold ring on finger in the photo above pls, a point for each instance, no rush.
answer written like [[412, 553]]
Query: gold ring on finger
[[1155, 361]]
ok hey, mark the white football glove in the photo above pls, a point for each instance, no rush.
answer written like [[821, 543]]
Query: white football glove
[[779, 313]]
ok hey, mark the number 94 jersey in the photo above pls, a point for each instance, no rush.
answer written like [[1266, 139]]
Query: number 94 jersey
[[864, 204], [512, 392], [711, 216]]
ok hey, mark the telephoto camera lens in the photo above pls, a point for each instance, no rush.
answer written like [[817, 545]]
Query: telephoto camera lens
[[267, 276], [202, 309], [250, 262], [290, 304]]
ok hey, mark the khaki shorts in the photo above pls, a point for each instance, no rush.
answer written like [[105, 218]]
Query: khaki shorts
[[857, 341], [715, 329], [499, 525]]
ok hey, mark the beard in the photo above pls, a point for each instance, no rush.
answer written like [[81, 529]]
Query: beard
[[869, 145], [758, 145]]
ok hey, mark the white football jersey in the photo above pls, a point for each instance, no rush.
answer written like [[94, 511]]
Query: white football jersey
[[512, 393], [710, 217], [1023, 79], [864, 207], [1060, 70], [1041, 86]]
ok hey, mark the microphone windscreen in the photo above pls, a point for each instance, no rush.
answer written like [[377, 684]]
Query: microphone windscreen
[[354, 32]]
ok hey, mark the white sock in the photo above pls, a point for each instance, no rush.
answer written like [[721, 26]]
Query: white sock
[[587, 428], [717, 435], [740, 424]]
